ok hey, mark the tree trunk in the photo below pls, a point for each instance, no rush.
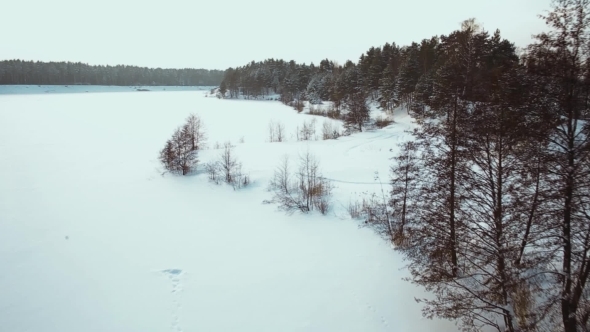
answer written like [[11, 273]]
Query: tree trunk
[[453, 235]]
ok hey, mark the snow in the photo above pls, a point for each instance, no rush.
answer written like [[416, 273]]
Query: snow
[[43, 89], [94, 238]]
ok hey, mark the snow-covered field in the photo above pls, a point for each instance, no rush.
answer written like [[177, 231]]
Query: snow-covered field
[[45, 89], [94, 238]]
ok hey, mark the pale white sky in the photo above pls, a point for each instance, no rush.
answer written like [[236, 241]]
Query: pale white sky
[[219, 34]]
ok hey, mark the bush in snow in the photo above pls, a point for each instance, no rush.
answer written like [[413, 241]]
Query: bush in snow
[[307, 131], [355, 209], [316, 110], [227, 169], [276, 131], [179, 155], [298, 105], [304, 190], [375, 213], [382, 122], [331, 112], [330, 130]]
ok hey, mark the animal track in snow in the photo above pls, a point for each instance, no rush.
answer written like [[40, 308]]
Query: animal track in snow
[[374, 311], [175, 277]]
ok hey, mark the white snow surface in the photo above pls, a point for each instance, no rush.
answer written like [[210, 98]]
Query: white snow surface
[[44, 89], [94, 238]]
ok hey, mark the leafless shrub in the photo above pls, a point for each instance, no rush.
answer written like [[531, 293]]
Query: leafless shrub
[[238, 178], [331, 112], [307, 131], [213, 172], [317, 110], [227, 169], [334, 115], [303, 190], [355, 209], [276, 131], [330, 130], [375, 211], [298, 105]]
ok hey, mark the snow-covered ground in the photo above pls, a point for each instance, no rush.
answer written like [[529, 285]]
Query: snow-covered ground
[[44, 89], [94, 238]]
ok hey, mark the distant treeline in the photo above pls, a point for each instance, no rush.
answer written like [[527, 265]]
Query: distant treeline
[[391, 75], [30, 72]]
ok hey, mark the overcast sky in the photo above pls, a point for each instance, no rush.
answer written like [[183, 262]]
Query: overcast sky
[[219, 34]]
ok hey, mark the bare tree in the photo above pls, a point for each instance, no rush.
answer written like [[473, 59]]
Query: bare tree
[[196, 131], [464, 228], [559, 62], [228, 162], [307, 131], [271, 131]]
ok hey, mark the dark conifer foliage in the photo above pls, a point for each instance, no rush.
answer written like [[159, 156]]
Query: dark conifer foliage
[[57, 73], [490, 204]]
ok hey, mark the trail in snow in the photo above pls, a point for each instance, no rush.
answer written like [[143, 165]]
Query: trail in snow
[[353, 182], [175, 277]]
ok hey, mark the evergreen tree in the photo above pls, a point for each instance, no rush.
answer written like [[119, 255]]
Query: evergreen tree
[[404, 190], [387, 89], [357, 115], [409, 74]]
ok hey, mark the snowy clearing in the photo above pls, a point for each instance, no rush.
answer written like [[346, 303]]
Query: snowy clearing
[[93, 238]]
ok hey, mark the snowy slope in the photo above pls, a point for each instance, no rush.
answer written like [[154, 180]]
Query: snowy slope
[[93, 238]]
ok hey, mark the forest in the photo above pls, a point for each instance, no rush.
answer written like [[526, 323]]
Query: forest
[[490, 201], [58, 73]]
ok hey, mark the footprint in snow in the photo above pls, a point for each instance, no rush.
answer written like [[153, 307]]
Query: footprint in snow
[[175, 277]]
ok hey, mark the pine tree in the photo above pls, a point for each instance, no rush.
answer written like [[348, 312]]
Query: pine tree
[[387, 89], [404, 190], [223, 88], [409, 74], [357, 115]]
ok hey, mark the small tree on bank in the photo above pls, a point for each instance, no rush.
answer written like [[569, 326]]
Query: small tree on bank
[[179, 155]]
